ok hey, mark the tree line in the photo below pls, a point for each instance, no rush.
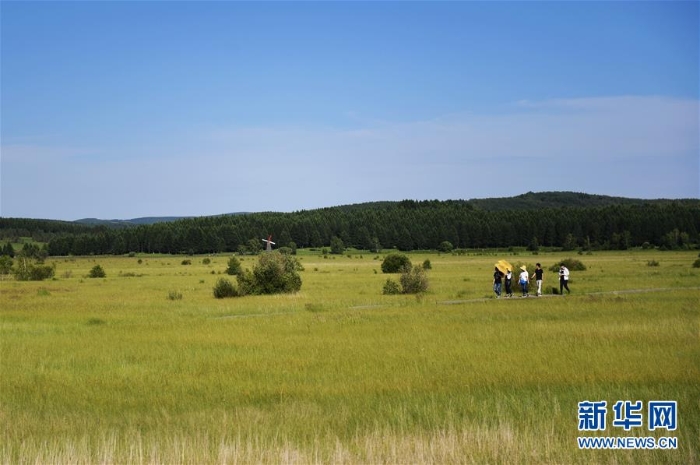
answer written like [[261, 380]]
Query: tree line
[[406, 226]]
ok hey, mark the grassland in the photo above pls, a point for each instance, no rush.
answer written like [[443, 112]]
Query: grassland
[[114, 371]]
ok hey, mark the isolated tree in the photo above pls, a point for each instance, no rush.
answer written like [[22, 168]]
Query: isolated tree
[[337, 245], [395, 263], [446, 246], [234, 266]]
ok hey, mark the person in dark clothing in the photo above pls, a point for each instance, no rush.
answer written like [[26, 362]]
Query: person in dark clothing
[[564, 280], [538, 278], [497, 279], [509, 283]]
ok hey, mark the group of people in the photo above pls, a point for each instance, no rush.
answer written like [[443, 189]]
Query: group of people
[[524, 280]]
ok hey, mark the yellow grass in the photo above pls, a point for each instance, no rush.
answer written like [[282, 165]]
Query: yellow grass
[[112, 371]]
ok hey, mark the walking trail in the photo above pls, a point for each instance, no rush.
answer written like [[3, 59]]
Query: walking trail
[[483, 299]]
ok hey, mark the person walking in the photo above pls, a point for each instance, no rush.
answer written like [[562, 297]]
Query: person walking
[[497, 279], [509, 283], [524, 280], [537, 275], [564, 280]]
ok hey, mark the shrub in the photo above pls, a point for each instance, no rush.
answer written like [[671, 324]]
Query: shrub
[[274, 273], [652, 263], [186, 262], [97, 272], [414, 280], [234, 266], [571, 263], [206, 261], [696, 263], [391, 288], [5, 264], [224, 288], [246, 283], [445, 246], [396, 263], [337, 246], [174, 295], [427, 265], [27, 270]]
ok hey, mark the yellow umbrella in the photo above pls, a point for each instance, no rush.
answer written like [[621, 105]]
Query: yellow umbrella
[[503, 265]]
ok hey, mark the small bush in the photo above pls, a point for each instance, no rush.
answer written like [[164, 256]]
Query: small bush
[[224, 288], [5, 264], [206, 261], [174, 295], [652, 263], [186, 262], [396, 263], [696, 263], [274, 273], [234, 266], [571, 263], [414, 281], [97, 272], [427, 265], [446, 247], [26, 270], [391, 288]]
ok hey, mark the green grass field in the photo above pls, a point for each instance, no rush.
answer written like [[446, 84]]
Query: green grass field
[[114, 371]]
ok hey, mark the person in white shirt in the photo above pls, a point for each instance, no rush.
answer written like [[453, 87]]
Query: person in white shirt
[[524, 280], [564, 280]]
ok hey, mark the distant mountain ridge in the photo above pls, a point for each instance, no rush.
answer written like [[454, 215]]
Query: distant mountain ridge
[[140, 221], [527, 201], [561, 199]]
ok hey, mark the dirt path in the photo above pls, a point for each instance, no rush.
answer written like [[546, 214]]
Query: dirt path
[[483, 299]]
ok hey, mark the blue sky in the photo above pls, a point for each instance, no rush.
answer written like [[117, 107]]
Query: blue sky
[[130, 109]]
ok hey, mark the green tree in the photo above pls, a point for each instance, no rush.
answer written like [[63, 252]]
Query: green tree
[[534, 245], [395, 263], [446, 246], [5, 264], [337, 245], [234, 266], [97, 272], [27, 270], [274, 273]]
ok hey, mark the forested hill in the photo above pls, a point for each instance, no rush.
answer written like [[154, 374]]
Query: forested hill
[[539, 200], [556, 219], [137, 221]]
